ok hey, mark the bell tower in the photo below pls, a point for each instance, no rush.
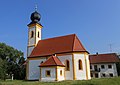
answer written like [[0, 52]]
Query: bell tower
[[34, 32]]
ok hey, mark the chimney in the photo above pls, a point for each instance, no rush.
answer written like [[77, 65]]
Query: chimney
[[96, 53], [54, 54]]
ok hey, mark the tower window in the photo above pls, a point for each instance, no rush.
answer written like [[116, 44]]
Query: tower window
[[32, 34], [80, 64], [67, 65], [38, 34]]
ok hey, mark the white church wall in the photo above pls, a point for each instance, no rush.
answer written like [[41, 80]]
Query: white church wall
[[68, 74], [61, 77], [29, 50], [52, 76], [88, 66], [34, 69], [80, 74]]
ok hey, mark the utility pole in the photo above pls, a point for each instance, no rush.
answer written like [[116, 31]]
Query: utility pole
[[110, 47]]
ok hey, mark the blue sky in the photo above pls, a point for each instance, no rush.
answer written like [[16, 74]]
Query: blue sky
[[95, 22]]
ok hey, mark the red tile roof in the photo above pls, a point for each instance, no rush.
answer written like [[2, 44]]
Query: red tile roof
[[103, 58], [52, 61], [62, 44]]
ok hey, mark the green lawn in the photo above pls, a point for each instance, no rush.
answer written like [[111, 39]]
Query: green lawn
[[104, 81]]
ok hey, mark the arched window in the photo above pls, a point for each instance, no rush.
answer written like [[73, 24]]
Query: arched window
[[61, 72], [67, 65], [32, 34], [38, 34], [79, 64]]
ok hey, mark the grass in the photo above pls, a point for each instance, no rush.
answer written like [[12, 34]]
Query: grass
[[103, 81]]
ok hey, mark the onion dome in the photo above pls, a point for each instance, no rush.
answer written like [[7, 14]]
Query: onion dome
[[35, 17]]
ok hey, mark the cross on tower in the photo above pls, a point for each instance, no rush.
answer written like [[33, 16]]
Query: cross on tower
[[36, 7]]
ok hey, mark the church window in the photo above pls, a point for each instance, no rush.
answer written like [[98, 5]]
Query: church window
[[38, 34], [61, 72], [32, 34], [47, 73], [67, 65], [80, 64]]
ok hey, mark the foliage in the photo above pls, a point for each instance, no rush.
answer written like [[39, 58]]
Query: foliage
[[3, 69], [102, 81], [118, 68], [11, 62]]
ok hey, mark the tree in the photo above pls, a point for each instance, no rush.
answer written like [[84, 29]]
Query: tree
[[11, 61], [118, 68], [3, 69], [118, 65]]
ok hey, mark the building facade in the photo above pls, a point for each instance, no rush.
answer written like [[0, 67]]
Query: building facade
[[55, 59], [103, 65]]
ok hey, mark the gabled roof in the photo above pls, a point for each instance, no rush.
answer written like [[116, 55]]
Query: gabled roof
[[62, 44], [52, 61], [104, 58]]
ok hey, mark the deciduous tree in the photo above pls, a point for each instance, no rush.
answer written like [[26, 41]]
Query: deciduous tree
[[11, 62]]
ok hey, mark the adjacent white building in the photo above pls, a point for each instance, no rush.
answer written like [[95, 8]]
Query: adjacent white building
[[103, 65], [55, 59]]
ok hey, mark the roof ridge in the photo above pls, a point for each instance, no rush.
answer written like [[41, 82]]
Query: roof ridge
[[76, 39], [103, 58], [102, 54], [54, 59], [73, 42], [80, 43], [61, 44], [58, 37], [54, 62], [46, 60]]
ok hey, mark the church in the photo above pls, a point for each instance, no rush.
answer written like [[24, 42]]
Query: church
[[55, 59]]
